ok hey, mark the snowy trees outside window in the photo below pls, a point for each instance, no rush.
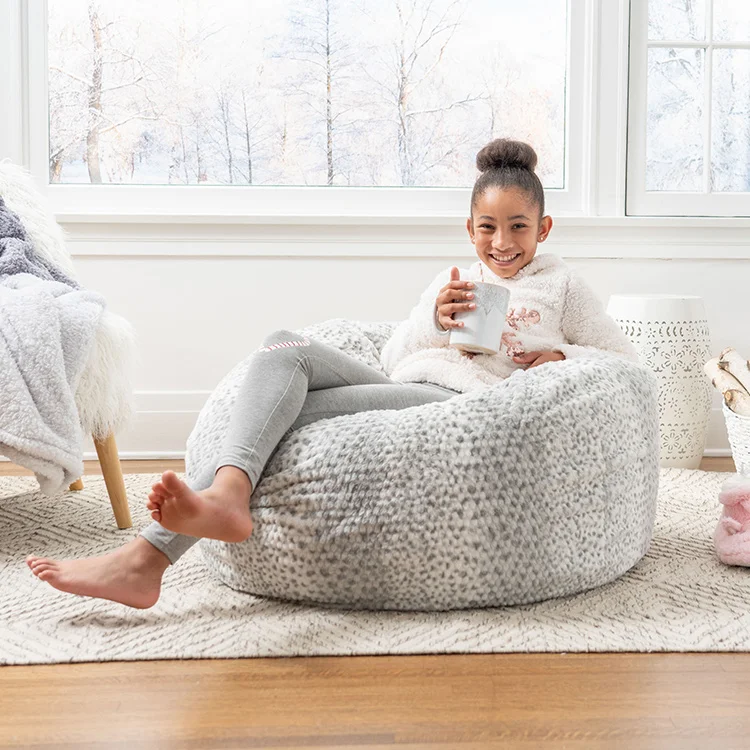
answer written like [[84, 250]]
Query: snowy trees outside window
[[698, 100], [302, 92]]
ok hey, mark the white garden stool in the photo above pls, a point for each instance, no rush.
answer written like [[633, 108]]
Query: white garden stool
[[670, 333]]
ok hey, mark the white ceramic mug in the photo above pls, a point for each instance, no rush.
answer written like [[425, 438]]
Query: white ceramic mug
[[483, 326]]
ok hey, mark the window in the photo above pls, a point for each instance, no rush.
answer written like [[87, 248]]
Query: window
[[689, 151], [322, 92], [327, 99]]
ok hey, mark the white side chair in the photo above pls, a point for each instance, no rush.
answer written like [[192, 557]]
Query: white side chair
[[104, 395]]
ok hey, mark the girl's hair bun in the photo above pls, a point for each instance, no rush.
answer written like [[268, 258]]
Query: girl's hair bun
[[503, 153]]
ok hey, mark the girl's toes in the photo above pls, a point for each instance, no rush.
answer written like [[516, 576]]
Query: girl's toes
[[43, 568], [170, 482]]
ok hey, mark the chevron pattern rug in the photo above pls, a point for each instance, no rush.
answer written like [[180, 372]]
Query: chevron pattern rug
[[678, 598]]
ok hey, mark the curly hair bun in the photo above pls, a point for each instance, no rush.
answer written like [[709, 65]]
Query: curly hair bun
[[503, 153]]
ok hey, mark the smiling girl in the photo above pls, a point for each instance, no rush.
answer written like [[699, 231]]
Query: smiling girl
[[293, 381], [553, 315]]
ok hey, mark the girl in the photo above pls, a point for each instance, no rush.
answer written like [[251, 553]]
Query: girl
[[293, 381]]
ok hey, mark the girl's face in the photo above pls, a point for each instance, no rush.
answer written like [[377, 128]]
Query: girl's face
[[505, 228]]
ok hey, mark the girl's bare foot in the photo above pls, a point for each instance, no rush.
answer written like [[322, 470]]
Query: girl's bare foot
[[130, 575], [220, 512]]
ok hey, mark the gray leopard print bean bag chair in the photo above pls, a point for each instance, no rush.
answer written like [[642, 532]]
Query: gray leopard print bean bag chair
[[541, 486]]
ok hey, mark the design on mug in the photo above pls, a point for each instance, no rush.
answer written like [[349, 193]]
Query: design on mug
[[486, 299], [527, 318]]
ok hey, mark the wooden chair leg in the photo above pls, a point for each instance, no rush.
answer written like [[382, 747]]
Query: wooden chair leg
[[77, 486], [112, 471]]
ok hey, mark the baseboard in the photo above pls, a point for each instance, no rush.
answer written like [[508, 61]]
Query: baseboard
[[140, 455], [160, 427]]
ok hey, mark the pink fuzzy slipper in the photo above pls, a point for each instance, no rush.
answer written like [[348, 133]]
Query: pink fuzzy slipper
[[732, 535]]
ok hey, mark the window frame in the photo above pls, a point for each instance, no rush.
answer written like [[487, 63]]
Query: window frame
[[279, 201], [641, 202]]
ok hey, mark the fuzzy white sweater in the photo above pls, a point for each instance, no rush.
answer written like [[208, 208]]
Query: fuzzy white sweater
[[550, 309]]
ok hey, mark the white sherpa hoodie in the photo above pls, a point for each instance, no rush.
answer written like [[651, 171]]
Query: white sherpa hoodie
[[550, 309]]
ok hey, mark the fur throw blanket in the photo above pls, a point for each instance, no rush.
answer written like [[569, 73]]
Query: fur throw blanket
[[48, 326]]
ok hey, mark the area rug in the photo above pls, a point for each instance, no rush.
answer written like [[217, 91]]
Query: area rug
[[678, 598]]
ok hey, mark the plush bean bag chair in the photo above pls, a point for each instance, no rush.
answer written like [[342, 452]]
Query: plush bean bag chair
[[540, 486]]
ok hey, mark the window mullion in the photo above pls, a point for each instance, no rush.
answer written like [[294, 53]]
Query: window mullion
[[708, 98], [611, 109], [37, 125]]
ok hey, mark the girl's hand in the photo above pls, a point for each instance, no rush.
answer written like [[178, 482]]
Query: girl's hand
[[449, 300], [534, 359]]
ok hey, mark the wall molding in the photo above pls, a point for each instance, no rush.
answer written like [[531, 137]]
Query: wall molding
[[709, 239]]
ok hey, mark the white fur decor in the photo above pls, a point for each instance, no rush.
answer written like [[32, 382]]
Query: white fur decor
[[24, 198], [104, 396]]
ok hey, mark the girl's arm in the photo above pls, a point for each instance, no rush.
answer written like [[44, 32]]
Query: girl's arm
[[587, 328], [420, 330]]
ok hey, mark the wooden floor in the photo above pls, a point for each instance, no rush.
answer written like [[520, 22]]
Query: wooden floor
[[592, 701]]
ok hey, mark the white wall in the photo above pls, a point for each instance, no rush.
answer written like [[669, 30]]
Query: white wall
[[202, 297]]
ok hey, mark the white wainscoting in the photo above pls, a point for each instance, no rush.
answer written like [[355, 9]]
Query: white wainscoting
[[202, 296]]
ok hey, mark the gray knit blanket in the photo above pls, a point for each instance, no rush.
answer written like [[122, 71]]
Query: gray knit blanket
[[540, 486], [17, 254], [47, 328]]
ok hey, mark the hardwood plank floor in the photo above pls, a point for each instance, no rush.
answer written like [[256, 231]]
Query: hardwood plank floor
[[637, 701], [592, 701]]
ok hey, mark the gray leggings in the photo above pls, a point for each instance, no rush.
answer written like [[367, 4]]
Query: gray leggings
[[291, 382]]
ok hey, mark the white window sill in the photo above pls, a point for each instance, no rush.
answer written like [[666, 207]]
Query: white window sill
[[406, 236], [442, 220]]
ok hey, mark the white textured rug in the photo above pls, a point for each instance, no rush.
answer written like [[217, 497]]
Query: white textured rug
[[678, 598]]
